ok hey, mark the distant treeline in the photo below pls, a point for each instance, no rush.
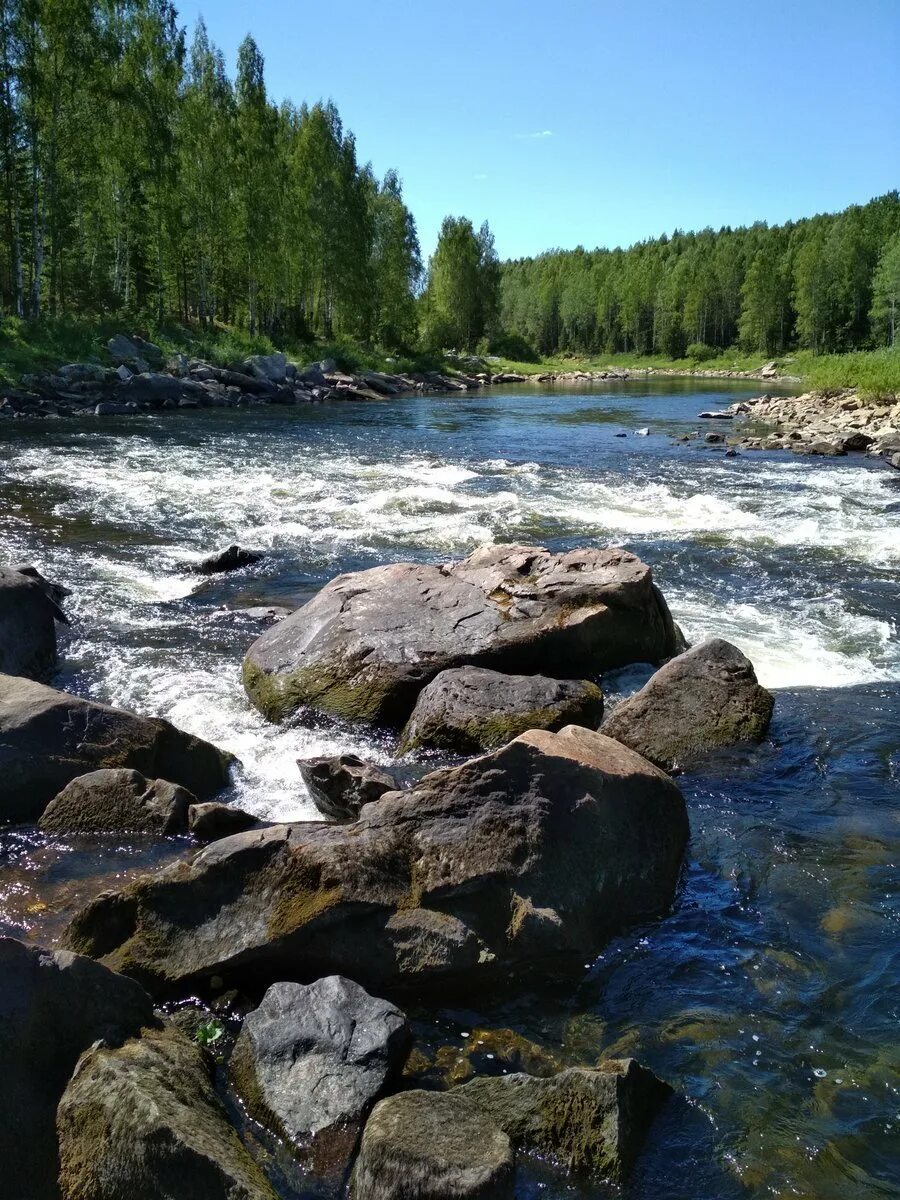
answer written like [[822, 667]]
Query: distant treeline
[[137, 177], [830, 283]]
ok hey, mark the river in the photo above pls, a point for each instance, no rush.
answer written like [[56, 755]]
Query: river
[[770, 996]]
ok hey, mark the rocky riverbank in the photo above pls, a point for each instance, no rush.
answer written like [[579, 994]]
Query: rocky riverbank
[[292, 952], [827, 424]]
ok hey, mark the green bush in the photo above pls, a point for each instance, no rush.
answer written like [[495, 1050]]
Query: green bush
[[700, 352]]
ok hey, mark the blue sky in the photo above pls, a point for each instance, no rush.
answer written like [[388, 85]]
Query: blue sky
[[596, 122]]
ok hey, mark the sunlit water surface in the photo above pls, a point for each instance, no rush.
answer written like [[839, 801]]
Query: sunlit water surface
[[770, 996]]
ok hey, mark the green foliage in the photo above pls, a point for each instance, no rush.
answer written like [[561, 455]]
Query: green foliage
[[461, 300], [209, 1032], [700, 352], [885, 312]]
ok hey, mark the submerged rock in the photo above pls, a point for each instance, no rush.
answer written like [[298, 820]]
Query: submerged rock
[[367, 644], [119, 800], [232, 558], [29, 610], [478, 871], [703, 699], [143, 1119], [470, 709], [341, 784], [432, 1146], [53, 1006], [310, 1063], [48, 738]]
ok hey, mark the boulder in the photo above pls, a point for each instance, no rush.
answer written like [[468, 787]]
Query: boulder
[[29, 611], [432, 1146], [272, 367], [48, 738], [528, 857], [122, 349], [118, 800], [470, 709], [143, 1119], [703, 699], [310, 1063], [367, 644], [592, 1120], [53, 1006], [232, 558], [211, 821], [340, 785]]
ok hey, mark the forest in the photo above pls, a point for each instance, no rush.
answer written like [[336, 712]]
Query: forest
[[139, 178]]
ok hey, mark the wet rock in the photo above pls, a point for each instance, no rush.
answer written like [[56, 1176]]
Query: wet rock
[[714, 438], [118, 800], [143, 1119], [266, 614], [703, 699], [48, 738], [819, 448], [311, 1061], [857, 442], [341, 784], [470, 709], [211, 821], [232, 558], [53, 1006], [474, 875], [593, 1121], [28, 615], [367, 644], [432, 1146]]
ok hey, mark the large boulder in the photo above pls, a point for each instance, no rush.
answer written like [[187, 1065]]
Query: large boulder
[[28, 615], [470, 709], [532, 855], [48, 738], [311, 1061], [703, 699], [341, 784], [272, 367], [432, 1146], [367, 644], [53, 1006], [118, 800], [144, 1119]]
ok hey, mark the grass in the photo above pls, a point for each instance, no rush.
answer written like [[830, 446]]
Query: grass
[[27, 347]]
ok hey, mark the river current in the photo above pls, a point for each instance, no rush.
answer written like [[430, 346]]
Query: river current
[[770, 996]]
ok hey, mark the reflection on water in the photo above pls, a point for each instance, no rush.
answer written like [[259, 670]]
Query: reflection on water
[[770, 996]]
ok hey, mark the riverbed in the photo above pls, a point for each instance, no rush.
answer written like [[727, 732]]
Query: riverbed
[[769, 997]]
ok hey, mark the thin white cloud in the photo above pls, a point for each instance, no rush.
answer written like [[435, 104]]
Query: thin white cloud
[[480, 175], [538, 133]]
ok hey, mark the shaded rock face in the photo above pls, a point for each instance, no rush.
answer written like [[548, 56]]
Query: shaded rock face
[[211, 820], [432, 1146], [144, 1120], [532, 855], [703, 699], [310, 1063], [28, 614], [341, 784], [118, 800], [53, 1006], [592, 1121], [232, 558], [470, 709], [48, 738], [367, 644]]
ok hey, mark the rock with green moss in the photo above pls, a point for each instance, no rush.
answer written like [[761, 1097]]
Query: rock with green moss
[[53, 1006], [144, 1119], [470, 709], [432, 1146], [704, 699], [473, 875], [48, 738], [592, 1120], [118, 800], [367, 644]]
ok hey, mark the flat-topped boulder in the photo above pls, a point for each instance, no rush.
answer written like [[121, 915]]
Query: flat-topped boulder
[[29, 610], [118, 800], [532, 855], [367, 644], [48, 738], [471, 709], [704, 699]]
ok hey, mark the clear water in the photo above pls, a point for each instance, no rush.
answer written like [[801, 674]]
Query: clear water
[[770, 996]]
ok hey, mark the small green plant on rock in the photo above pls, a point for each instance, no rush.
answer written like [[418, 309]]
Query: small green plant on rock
[[209, 1032]]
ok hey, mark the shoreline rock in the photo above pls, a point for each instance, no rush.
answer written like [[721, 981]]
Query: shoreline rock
[[118, 800], [29, 611], [341, 784]]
